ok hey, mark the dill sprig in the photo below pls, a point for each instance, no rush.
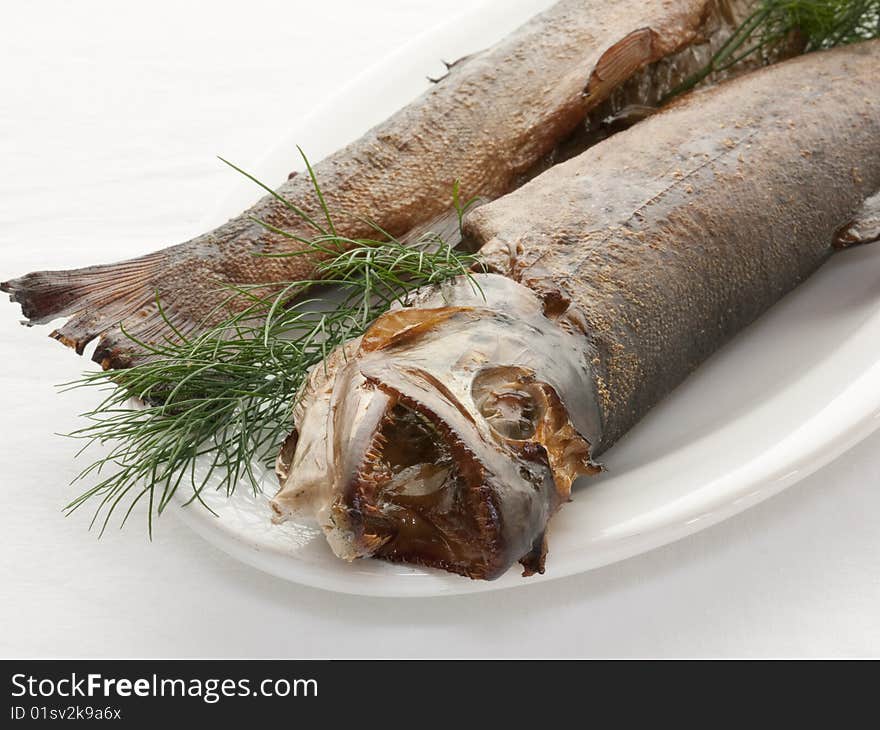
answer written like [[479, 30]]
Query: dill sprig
[[799, 25], [215, 407]]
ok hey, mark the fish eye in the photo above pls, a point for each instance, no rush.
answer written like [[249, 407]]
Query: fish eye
[[503, 397]]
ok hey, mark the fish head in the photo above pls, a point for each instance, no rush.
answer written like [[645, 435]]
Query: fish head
[[448, 435]]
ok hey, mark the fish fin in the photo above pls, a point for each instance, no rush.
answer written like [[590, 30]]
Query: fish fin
[[97, 300], [863, 228], [533, 561], [636, 50], [621, 61], [450, 66]]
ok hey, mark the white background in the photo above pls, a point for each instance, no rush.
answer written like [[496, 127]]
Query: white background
[[111, 115]]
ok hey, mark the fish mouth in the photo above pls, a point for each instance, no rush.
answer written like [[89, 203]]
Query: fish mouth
[[419, 492], [446, 437]]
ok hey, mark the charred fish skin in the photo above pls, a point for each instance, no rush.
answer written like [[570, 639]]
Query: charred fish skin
[[673, 236], [619, 272], [496, 116]]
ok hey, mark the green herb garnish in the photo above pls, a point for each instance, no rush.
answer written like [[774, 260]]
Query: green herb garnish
[[217, 406], [223, 398], [801, 25]]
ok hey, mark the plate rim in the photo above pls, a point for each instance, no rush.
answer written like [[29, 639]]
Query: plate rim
[[845, 420]]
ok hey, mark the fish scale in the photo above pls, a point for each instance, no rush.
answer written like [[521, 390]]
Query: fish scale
[[754, 213], [495, 117], [615, 274]]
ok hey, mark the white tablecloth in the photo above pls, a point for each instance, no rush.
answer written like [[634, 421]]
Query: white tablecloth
[[111, 115]]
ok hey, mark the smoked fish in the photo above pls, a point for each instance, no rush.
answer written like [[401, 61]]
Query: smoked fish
[[495, 119], [451, 432]]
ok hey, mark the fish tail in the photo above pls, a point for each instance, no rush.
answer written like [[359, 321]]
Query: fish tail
[[97, 300], [863, 227]]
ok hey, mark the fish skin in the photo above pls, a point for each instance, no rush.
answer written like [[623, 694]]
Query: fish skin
[[430, 359], [614, 275], [472, 126], [679, 232]]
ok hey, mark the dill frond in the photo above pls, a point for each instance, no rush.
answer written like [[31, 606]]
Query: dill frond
[[804, 25], [216, 406]]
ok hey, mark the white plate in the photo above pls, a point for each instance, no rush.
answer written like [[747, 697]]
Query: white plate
[[790, 394]]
